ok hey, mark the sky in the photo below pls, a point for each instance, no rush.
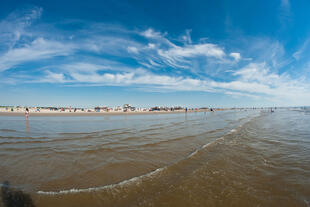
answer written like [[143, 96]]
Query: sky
[[155, 53]]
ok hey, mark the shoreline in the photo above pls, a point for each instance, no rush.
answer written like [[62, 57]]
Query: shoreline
[[2, 113]]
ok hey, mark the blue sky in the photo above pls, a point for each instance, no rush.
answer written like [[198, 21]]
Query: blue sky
[[147, 53]]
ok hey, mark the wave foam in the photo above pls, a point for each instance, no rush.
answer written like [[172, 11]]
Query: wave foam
[[193, 153], [85, 190]]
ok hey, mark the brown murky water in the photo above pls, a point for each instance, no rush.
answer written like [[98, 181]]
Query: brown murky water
[[230, 158]]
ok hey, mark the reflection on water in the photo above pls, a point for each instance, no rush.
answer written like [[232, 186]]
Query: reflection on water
[[230, 158]]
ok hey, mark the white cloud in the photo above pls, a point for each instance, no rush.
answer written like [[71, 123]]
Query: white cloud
[[150, 33], [165, 58], [83, 67], [187, 37], [135, 77], [52, 77], [263, 49], [151, 46], [285, 12], [106, 79], [153, 63], [257, 78], [13, 27], [108, 44], [208, 50], [183, 57], [235, 55], [301, 51], [253, 81], [133, 50], [37, 50], [180, 54], [94, 65]]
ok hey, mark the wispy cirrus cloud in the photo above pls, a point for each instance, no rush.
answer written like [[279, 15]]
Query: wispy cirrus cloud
[[302, 51], [52, 77], [256, 78], [38, 49], [13, 27], [235, 55], [155, 51], [254, 81], [109, 55], [285, 12]]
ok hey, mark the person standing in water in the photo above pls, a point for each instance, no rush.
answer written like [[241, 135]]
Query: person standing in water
[[27, 113]]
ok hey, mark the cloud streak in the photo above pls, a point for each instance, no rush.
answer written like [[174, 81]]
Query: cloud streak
[[109, 55], [38, 49]]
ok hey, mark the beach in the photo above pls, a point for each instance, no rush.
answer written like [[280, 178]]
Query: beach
[[67, 113], [221, 158], [154, 103]]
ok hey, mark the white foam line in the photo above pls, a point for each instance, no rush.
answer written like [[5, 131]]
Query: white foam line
[[241, 125], [221, 138], [193, 153], [206, 145], [125, 182], [218, 139]]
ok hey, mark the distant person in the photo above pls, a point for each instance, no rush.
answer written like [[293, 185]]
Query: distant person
[[186, 109], [27, 113]]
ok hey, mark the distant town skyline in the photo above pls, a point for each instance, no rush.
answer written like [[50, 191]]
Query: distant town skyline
[[155, 53]]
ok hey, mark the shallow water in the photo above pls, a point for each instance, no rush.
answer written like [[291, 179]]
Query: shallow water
[[229, 158]]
